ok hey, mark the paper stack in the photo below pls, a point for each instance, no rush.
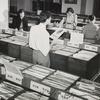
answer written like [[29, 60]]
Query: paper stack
[[60, 80], [7, 57], [31, 96], [38, 71], [4, 36], [16, 40], [67, 96], [8, 90], [19, 39], [9, 31], [86, 89], [57, 47], [70, 49], [21, 65], [64, 53], [85, 55]]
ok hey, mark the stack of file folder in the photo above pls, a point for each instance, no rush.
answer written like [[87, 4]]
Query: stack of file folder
[[84, 55], [7, 90], [64, 50], [57, 47], [38, 71], [16, 40], [61, 95], [4, 36], [21, 65], [19, 39], [64, 53], [31, 96], [71, 49], [10, 31], [9, 58], [87, 89], [60, 80]]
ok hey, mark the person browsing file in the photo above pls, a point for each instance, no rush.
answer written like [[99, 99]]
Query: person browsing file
[[39, 40]]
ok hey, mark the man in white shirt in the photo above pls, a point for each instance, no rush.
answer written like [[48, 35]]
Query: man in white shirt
[[39, 41]]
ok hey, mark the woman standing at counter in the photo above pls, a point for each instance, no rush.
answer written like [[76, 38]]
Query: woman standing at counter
[[70, 20], [20, 22]]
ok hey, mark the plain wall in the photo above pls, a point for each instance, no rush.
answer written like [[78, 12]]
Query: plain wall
[[27, 5], [76, 7], [89, 7], [20, 4]]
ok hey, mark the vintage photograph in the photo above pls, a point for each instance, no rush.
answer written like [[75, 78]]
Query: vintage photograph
[[49, 49]]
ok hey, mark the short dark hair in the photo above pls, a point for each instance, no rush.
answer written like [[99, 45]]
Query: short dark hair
[[20, 11], [44, 16], [70, 10], [91, 17]]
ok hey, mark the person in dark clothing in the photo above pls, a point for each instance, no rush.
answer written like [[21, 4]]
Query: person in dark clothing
[[20, 22]]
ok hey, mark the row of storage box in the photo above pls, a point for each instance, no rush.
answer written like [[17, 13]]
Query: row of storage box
[[51, 83], [21, 38], [65, 58]]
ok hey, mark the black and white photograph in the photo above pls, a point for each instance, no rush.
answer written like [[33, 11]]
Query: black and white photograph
[[49, 49]]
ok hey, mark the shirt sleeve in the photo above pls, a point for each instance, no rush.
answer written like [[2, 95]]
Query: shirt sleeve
[[75, 19], [31, 37]]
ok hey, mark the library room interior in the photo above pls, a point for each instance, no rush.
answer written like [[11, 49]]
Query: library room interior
[[49, 49]]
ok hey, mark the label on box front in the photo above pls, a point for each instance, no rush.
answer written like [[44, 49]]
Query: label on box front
[[63, 96], [14, 78], [90, 47], [66, 96], [40, 88]]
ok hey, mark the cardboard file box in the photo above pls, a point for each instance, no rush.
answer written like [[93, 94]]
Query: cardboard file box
[[26, 54], [83, 68], [14, 50], [4, 47], [33, 77], [58, 62], [13, 73], [86, 89]]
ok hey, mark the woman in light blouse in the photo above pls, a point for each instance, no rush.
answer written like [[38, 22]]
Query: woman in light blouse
[[70, 21]]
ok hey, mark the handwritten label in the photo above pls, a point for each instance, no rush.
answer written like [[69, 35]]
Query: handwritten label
[[13, 77], [63, 96], [92, 48], [66, 96], [40, 88]]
